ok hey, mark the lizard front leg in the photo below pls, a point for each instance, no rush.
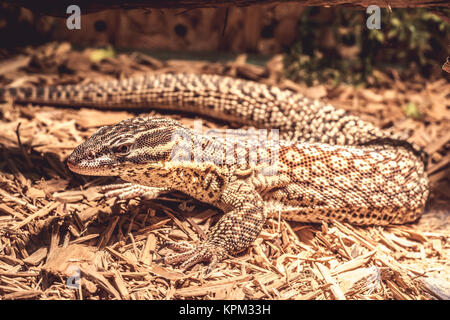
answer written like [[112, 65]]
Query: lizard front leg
[[131, 190], [235, 231]]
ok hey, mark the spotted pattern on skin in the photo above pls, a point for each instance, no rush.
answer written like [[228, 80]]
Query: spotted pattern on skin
[[331, 166]]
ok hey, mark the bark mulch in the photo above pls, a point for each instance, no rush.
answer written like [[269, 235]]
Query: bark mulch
[[60, 239]]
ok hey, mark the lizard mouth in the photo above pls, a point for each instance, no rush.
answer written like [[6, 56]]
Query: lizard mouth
[[99, 167], [87, 171], [81, 169], [74, 167]]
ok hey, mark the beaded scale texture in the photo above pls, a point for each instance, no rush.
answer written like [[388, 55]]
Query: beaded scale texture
[[329, 165]]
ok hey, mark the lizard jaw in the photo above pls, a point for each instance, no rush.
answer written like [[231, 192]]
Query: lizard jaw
[[89, 168], [74, 167]]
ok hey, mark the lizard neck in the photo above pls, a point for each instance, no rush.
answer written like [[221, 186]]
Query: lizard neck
[[203, 165]]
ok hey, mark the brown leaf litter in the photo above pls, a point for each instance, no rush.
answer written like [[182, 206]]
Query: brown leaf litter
[[60, 239]]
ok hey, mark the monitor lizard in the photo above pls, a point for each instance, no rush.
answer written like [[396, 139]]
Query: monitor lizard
[[329, 165]]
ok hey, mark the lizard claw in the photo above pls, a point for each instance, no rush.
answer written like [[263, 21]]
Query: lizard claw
[[191, 254]]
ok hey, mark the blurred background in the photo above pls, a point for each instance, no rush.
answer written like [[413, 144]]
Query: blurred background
[[318, 44]]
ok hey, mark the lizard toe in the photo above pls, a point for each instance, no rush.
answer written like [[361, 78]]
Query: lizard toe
[[203, 252], [179, 246]]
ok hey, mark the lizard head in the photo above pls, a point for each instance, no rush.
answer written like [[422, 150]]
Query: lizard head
[[120, 149]]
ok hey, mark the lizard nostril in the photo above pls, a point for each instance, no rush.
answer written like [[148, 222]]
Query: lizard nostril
[[70, 163]]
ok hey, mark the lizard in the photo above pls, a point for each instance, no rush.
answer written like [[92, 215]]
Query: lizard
[[327, 165]]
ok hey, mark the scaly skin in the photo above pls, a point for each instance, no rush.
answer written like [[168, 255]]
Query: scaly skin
[[329, 165]]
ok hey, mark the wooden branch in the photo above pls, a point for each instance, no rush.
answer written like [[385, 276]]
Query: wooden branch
[[58, 7]]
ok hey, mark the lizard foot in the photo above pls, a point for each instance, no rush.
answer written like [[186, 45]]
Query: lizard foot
[[192, 254], [131, 190]]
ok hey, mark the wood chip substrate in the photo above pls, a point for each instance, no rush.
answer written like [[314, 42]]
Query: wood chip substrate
[[61, 239]]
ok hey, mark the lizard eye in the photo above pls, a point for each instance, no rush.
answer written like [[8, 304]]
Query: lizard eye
[[123, 149], [91, 155]]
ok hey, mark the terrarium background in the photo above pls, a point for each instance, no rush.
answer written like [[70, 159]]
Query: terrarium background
[[321, 44]]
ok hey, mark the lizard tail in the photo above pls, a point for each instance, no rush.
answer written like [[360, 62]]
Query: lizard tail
[[47, 95], [4, 94], [19, 94]]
